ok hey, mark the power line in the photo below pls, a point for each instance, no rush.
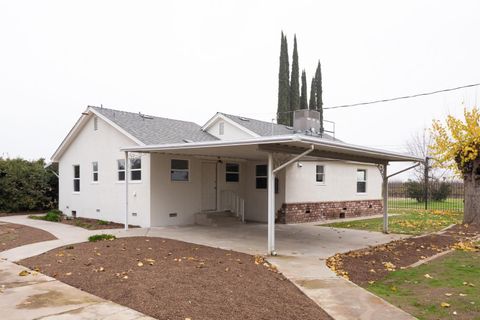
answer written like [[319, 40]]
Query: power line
[[401, 98]]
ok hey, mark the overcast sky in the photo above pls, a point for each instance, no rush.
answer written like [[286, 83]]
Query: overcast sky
[[189, 59]]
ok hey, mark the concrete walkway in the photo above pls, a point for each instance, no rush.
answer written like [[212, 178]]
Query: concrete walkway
[[37, 296], [302, 251]]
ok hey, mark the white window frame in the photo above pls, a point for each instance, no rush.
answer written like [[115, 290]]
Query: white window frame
[[232, 172], [180, 170], [221, 128], [132, 170], [76, 178], [94, 172], [364, 181], [320, 174], [120, 170]]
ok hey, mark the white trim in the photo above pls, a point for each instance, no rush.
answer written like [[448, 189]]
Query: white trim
[[81, 122], [317, 142], [230, 121]]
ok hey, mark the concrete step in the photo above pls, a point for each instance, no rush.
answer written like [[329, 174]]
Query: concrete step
[[216, 218]]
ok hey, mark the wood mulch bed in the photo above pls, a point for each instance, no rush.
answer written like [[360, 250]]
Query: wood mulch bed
[[93, 224], [169, 279], [373, 263], [15, 235]]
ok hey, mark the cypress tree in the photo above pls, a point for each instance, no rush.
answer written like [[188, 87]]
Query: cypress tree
[[283, 84], [313, 101], [294, 82], [303, 96], [319, 91]]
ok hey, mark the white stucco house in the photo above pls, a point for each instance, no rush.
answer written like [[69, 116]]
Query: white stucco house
[[151, 171]]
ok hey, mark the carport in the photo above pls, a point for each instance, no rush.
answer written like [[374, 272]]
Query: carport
[[279, 152]]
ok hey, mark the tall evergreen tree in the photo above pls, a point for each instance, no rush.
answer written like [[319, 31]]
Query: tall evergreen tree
[[313, 100], [303, 96], [283, 84], [319, 91], [294, 82]]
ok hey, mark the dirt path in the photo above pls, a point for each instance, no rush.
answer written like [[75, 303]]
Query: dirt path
[[15, 235], [170, 279]]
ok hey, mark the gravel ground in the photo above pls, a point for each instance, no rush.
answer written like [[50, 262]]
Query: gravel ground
[[366, 265], [170, 279], [15, 235]]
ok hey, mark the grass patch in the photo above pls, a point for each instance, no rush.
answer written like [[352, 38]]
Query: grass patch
[[413, 222], [53, 215], [99, 237], [453, 280]]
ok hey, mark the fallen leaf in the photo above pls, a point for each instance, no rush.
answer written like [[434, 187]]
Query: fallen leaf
[[24, 273], [68, 274], [428, 276], [445, 305], [140, 264], [448, 294]]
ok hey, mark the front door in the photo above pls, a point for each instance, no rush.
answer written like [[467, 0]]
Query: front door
[[209, 186]]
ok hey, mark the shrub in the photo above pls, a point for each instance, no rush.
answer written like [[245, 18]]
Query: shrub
[[26, 185], [441, 191], [415, 190], [103, 222], [53, 216], [98, 237]]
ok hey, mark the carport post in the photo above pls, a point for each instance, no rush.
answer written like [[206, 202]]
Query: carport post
[[126, 190], [271, 205], [385, 197]]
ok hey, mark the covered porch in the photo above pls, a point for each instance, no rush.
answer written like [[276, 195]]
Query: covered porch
[[274, 154]]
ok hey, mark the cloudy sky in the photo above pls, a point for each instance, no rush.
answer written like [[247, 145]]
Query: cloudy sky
[[189, 59]]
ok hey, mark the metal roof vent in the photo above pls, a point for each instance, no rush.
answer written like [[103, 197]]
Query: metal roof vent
[[243, 119], [144, 116], [187, 140]]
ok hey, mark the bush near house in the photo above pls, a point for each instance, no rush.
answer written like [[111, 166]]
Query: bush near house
[[98, 237], [26, 186]]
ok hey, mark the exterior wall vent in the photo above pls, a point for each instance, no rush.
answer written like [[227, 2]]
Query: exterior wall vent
[[172, 215], [134, 214]]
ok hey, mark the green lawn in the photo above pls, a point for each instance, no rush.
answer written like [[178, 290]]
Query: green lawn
[[406, 221], [452, 280], [407, 203]]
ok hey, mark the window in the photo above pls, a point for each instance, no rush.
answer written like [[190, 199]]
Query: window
[[95, 123], [261, 176], [76, 178], [221, 128], [361, 181], [121, 169], [179, 170], [95, 171], [136, 169], [232, 172], [320, 174]]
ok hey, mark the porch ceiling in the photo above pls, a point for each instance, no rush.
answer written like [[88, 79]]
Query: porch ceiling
[[259, 148]]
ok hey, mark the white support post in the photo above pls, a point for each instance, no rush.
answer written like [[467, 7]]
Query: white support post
[[126, 189], [271, 206], [385, 197]]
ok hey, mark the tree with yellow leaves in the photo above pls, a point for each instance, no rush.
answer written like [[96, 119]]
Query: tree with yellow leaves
[[456, 145]]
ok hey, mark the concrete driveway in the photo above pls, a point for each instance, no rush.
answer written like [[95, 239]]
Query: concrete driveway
[[302, 250]]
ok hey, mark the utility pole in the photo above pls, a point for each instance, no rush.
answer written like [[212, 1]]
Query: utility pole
[[426, 182]]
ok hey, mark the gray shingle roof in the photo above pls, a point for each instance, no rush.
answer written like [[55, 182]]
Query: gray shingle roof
[[264, 128], [156, 130]]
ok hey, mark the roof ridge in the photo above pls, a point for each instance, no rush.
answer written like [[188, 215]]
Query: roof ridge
[[238, 116], [139, 113]]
